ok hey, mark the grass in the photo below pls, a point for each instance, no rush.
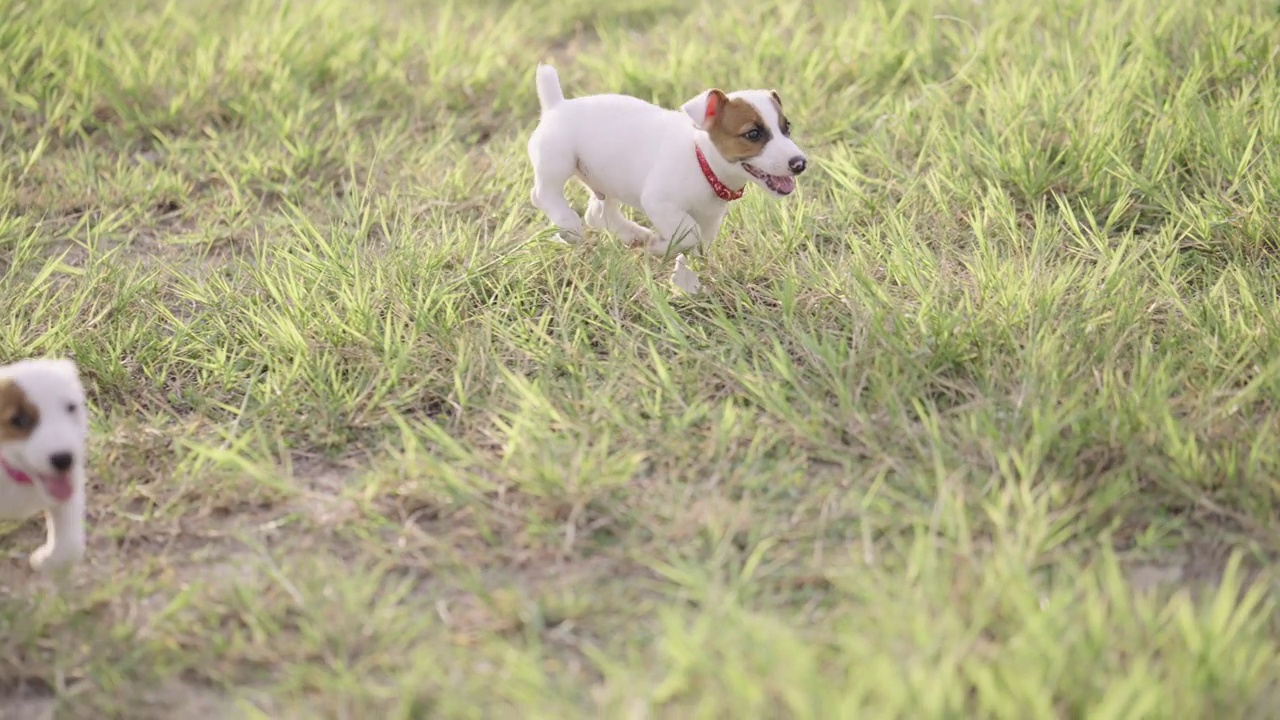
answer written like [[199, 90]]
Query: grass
[[980, 424]]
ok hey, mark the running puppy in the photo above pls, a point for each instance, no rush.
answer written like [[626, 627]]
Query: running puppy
[[680, 167], [44, 428]]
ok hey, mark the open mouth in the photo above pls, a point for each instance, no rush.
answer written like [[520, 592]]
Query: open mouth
[[779, 184], [58, 486]]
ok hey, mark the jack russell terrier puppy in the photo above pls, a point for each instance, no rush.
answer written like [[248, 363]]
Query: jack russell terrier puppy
[[681, 168], [44, 428]]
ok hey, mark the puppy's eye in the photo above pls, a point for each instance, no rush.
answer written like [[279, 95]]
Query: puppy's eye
[[753, 134], [22, 420], [786, 129]]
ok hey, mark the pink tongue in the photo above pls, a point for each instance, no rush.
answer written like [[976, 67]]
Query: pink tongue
[[785, 184], [59, 486]]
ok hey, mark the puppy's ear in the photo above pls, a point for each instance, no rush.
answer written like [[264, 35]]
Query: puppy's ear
[[705, 107], [776, 98]]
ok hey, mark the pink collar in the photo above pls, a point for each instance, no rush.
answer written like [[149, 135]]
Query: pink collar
[[721, 190], [14, 473]]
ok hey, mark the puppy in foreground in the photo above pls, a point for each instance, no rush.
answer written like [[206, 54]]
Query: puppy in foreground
[[44, 428], [681, 168]]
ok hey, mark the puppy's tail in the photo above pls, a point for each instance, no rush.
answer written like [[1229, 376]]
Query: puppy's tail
[[549, 92]]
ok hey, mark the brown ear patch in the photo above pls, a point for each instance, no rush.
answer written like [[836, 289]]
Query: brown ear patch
[[18, 416], [734, 120], [783, 124]]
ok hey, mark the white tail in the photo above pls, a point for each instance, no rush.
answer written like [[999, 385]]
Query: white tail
[[548, 82]]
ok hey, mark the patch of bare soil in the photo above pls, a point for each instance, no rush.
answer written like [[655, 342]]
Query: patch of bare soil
[[178, 699], [28, 709], [1198, 567]]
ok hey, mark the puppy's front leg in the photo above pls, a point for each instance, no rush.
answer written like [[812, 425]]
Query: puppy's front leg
[[710, 228], [677, 230], [65, 533]]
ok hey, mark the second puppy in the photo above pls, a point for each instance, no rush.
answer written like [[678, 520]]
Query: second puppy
[[44, 428]]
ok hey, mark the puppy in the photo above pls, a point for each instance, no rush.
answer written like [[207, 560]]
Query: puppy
[[681, 168], [44, 428]]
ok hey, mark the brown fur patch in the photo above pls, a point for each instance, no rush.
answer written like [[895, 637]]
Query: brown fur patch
[[783, 124], [18, 416], [733, 120]]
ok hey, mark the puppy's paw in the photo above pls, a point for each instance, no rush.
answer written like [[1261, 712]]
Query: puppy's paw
[[637, 236], [685, 278], [50, 558], [661, 247], [594, 216], [569, 236]]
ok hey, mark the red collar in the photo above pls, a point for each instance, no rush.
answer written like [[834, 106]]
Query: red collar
[[14, 473], [720, 189]]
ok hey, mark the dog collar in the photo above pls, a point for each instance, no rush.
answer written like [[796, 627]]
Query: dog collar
[[14, 473], [720, 189]]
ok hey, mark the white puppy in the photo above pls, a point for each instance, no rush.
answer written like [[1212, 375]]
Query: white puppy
[[44, 428], [681, 168]]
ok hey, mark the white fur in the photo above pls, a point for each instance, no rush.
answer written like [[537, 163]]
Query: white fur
[[53, 386], [638, 154]]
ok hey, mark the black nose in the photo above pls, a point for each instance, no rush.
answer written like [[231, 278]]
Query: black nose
[[60, 461], [797, 164]]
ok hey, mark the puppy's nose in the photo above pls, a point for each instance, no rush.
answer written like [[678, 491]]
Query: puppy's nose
[[797, 164], [60, 461]]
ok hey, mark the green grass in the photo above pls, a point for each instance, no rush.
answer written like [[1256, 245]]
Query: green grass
[[983, 423]]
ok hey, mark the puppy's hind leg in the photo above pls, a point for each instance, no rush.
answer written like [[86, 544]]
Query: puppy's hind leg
[[551, 170], [606, 214]]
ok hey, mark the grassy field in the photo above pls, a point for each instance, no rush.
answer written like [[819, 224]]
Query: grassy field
[[982, 423]]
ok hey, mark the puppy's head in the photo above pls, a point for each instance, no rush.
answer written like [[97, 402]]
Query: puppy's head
[[44, 424], [749, 129]]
